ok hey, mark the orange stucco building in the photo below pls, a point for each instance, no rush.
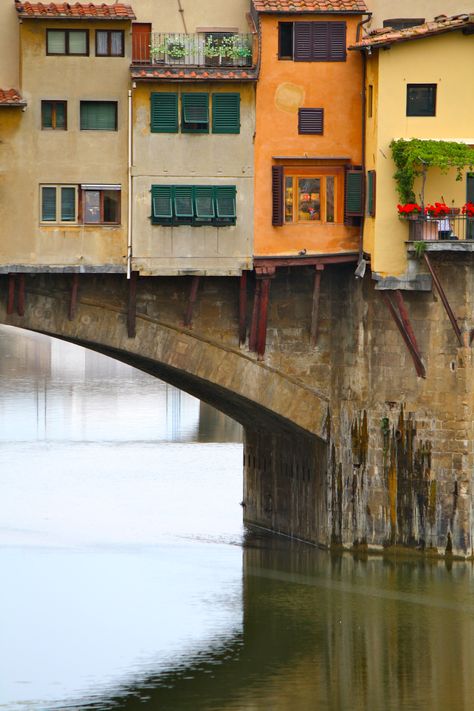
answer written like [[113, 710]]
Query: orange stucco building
[[309, 182]]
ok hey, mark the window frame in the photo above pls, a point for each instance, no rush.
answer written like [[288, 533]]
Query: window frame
[[281, 26], [98, 101], [58, 187], [321, 173], [54, 103], [109, 43], [185, 125], [434, 87], [67, 53], [101, 190]]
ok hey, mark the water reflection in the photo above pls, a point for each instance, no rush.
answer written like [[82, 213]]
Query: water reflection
[[128, 582]]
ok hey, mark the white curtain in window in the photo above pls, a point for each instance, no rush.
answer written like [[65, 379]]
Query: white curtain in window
[[116, 48], [101, 39]]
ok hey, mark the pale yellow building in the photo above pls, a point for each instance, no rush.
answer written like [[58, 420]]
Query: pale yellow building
[[400, 10], [417, 86]]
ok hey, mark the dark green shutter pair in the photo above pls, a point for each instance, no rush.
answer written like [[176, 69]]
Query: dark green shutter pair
[[193, 204], [195, 112], [354, 202]]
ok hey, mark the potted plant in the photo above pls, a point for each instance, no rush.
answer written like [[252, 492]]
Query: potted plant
[[409, 210], [441, 226], [468, 211]]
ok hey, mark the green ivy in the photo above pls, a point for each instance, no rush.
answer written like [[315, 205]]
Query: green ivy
[[413, 158]]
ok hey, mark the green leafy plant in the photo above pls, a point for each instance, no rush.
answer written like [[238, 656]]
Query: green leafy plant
[[420, 249], [414, 157]]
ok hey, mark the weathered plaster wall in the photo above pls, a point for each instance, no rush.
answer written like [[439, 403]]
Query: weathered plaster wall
[[444, 61], [192, 159], [285, 86], [9, 41], [30, 156], [165, 15]]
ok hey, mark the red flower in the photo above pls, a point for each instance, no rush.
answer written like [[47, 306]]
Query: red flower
[[439, 209], [410, 208], [468, 209]]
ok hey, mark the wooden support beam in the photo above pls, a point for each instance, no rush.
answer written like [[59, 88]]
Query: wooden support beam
[[255, 313], [402, 309], [444, 299], [20, 304], [315, 309], [11, 294], [73, 300], [132, 305], [243, 309], [262, 317], [419, 366], [188, 318]]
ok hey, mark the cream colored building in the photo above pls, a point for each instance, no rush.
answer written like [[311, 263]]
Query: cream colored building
[[384, 10], [436, 60]]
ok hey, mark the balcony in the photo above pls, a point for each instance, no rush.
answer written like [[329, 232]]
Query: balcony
[[453, 232], [213, 50]]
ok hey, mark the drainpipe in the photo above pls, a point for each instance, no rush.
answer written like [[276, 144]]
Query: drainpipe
[[361, 264], [130, 158], [181, 11]]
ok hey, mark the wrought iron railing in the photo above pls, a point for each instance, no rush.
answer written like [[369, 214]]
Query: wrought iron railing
[[206, 49], [450, 228]]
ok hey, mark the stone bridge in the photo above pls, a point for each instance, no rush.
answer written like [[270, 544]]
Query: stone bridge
[[345, 445]]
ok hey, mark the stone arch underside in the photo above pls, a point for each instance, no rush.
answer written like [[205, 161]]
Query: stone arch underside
[[230, 379]]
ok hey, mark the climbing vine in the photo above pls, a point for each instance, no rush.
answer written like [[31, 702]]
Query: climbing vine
[[414, 157]]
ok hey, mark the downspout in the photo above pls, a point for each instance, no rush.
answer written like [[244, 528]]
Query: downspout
[[129, 212], [360, 271], [181, 11]]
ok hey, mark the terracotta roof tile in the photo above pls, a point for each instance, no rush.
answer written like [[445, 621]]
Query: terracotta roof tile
[[11, 97], [297, 6], [193, 74], [387, 35], [73, 11]]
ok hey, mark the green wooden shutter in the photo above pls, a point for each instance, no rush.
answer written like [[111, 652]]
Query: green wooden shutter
[[161, 204], [371, 193], [164, 112], [183, 201], [225, 202], [354, 206], [48, 204], [195, 112], [226, 113], [98, 115], [204, 203], [68, 204]]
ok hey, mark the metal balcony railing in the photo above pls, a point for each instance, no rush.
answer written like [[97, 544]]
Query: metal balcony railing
[[452, 227], [207, 49]]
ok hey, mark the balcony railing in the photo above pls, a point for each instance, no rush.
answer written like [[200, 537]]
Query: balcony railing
[[207, 49], [450, 228]]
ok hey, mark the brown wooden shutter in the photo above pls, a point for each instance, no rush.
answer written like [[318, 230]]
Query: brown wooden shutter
[[337, 42], [310, 121], [320, 41], [277, 195], [302, 42]]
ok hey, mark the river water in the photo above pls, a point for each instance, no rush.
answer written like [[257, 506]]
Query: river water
[[128, 581]]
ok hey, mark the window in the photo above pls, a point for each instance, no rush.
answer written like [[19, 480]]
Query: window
[[109, 43], [164, 110], [100, 204], [310, 198], [74, 42], [285, 40], [193, 205], [54, 115], [84, 204], [98, 116], [312, 41], [311, 121], [59, 204], [421, 99], [195, 113], [226, 113], [315, 195]]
